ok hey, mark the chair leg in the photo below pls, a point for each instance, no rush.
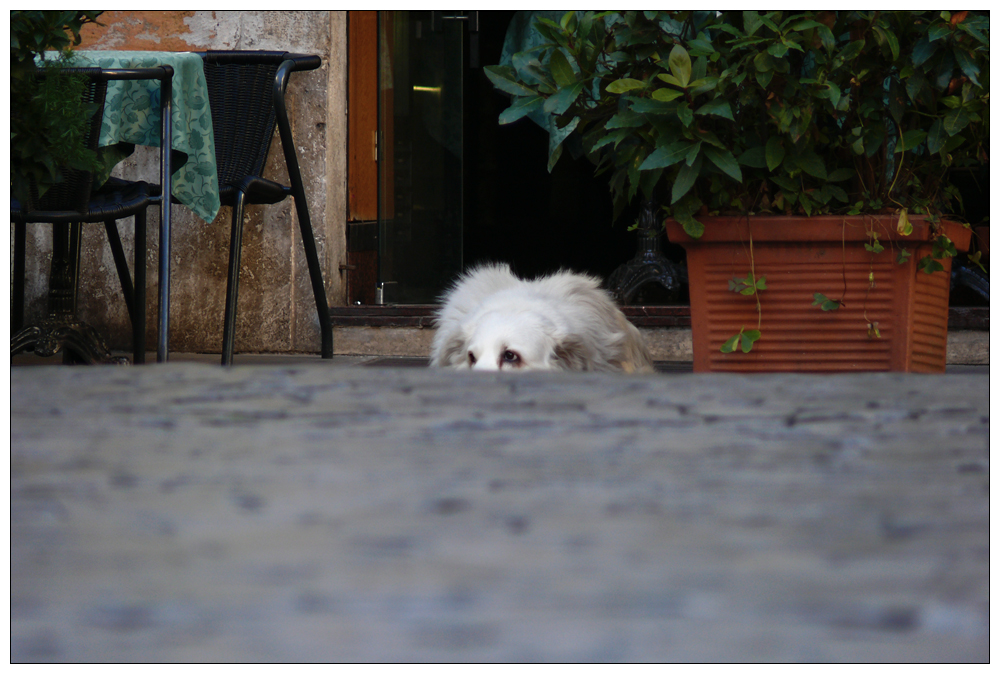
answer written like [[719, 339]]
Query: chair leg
[[17, 301], [124, 276], [233, 285], [139, 291], [299, 194]]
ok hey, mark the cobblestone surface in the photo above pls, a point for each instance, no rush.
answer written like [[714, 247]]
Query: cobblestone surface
[[186, 512]]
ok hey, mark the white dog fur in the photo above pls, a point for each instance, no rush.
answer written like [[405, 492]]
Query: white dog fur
[[492, 320]]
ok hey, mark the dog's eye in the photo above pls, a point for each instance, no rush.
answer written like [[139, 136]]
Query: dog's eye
[[511, 357], [472, 358]]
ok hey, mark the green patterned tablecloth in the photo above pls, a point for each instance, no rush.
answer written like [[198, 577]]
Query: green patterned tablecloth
[[132, 117]]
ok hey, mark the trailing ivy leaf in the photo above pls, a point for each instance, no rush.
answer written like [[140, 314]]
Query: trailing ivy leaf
[[747, 340], [825, 303], [725, 160], [903, 226], [929, 265], [875, 246], [943, 247], [625, 84], [522, 105], [903, 256], [976, 259], [730, 345]]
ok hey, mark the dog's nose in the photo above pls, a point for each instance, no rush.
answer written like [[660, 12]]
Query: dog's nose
[[486, 364]]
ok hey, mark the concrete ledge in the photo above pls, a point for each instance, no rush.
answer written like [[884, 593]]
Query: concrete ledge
[[965, 347]]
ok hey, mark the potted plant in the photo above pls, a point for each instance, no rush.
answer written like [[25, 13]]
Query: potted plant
[[763, 135], [48, 118]]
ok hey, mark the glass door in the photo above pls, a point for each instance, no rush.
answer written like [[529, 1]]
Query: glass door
[[419, 151]]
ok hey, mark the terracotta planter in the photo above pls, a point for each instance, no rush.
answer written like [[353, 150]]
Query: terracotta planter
[[803, 256]]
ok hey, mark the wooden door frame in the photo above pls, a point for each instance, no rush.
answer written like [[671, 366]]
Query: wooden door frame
[[362, 157]]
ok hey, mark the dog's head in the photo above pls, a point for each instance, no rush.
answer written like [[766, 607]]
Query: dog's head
[[513, 341]]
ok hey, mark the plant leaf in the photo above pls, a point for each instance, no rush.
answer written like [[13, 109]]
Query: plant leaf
[[717, 106], [685, 180], [625, 84], [522, 105], [680, 64], [774, 152], [666, 94], [725, 160], [562, 71], [560, 101], [504, 79], [666, 156]]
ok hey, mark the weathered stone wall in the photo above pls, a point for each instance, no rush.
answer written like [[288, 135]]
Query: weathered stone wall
[[276, 311]]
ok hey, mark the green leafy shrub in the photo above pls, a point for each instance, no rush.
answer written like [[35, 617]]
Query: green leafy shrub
[[785, 112], [48, 115]]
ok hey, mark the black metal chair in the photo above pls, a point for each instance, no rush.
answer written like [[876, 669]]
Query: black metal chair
[[246, 92], [66, 205]]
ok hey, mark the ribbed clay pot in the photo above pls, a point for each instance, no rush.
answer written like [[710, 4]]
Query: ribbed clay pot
[[801, 256]]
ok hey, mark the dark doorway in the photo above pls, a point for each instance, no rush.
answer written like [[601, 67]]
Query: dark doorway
[[515, 210]]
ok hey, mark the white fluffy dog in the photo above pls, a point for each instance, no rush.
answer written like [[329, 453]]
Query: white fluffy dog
[[492, 320]]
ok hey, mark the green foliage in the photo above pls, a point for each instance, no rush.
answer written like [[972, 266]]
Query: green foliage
[[825, 303], [48, 115], [745, 339], [804, 113]]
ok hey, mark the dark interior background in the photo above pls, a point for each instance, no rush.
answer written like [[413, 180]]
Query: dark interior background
[[515, 210]]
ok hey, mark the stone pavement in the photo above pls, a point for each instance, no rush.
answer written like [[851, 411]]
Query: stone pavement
[[302, 512]]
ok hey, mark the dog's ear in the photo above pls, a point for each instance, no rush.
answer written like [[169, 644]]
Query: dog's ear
[[572, 354], [452, 351]]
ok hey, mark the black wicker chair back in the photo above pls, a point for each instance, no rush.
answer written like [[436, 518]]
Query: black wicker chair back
[[246, 93], [242, 116]]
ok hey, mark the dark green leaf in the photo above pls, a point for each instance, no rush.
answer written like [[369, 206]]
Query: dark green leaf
[[685, 180], [911, 139], [922, 51], [562, 71], [559, 102], [520, 107], [719, 107], [811, 163], [666, 156], [936, 137], [955, 121], [754, 158], [774, 153], [504, 79], [967, 65], [725, 160]]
